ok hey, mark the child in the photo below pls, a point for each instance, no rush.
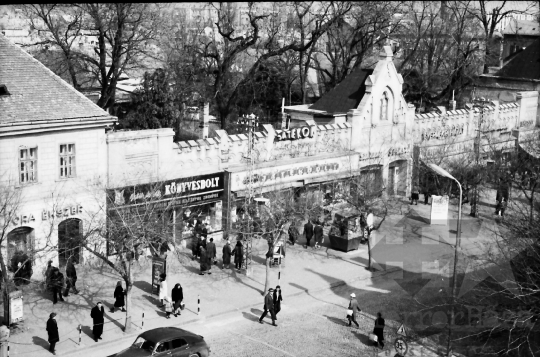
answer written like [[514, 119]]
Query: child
[[168, 306]]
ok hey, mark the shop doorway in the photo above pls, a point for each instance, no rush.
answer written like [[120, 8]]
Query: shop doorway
[[19, 241], [397, 178], [69, 241]]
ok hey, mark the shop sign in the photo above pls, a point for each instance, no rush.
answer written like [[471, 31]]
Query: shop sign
[[185, 187], [370, 155], [526, 123], [399, 150], [295, 133], [47, 214], [442, 132], [293, 172], [439, 210]]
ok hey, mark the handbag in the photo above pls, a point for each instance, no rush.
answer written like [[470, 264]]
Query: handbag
[[349, 312], [373, 337], [182, 306]]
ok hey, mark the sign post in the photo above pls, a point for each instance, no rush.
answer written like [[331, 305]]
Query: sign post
[[159, 266], [439, 210], [13, 307]]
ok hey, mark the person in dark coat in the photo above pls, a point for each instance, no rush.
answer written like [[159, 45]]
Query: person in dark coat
[[204, 230], [308, 231], [353, 305], [293, 233], [238, 255], [177, 296], [97, 316], [209, 258], [227, 252], [379, 329], [318, 232], [211, 250], [415, 195], [269, 307], [277, 300], [57, 281], [203, 261], [52, 331], [119, 293], [71, 275], [196, 246]]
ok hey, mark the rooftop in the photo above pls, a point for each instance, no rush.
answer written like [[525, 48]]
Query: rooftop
[[36, 93], [522, 28], [525, 65], [346, 95]]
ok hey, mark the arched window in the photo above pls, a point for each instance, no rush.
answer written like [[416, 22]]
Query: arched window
[[384, 106]]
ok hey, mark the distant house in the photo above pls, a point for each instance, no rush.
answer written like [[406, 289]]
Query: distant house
[[518, 35]]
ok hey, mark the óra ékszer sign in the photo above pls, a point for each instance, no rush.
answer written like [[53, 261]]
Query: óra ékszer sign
[[184, 191]]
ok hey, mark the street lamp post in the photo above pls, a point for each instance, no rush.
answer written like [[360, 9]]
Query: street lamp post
[[442, 172], [250, 123]]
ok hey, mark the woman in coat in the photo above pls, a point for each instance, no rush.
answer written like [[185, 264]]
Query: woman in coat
[[277, 300], [163, 287], [177, 296], [379, 329], [204, 260], [227, 251], [238, 255], [168, 306], [52, 331], [119, 297], [97, 317]]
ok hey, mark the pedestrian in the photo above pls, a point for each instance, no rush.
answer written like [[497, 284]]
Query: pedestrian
[[119, 297], [269, 307], [196, 245], [498, 207], [369, 222], [238, 255], [227, 252], [415, 195], [57, 282], [211, 251], [353, 307], [277, 300], [209, 257], [162, 287], [48, 274], [504, 204], [379, 329], [97, 316], [293, 233], [204, 230], [71, 275], [318, 232], [52, 331], [203, 260], [426, 196], [308, 232], [177, 295], [168, 306]]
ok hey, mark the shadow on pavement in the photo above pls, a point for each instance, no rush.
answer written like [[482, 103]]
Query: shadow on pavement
[[192, 269], [365, 339], [153, 299], [307, 292], [256, 312], [87, 330], [250, 317], [143, 285], [336, 320], [40, 342]]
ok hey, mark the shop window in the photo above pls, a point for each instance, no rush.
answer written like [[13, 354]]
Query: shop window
[[27, 165], [20, 240], [67, 160], [210, 213], [69, 239], [384, 107]]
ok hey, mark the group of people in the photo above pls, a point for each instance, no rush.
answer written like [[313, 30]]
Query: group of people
[[206, 252], [55, 281], [173, 304], [272, 304], [312, 229], [378, 330]]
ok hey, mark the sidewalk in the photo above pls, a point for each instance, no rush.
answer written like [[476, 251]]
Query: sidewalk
[[304, 270]]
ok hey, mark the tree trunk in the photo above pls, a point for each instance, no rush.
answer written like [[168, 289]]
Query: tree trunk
[[129, 286], [369, 250], [267, 280]]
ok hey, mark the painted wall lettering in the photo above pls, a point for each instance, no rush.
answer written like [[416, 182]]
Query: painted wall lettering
[[295, 133]]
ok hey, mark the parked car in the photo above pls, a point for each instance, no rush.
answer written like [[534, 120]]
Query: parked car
[[167, 341]]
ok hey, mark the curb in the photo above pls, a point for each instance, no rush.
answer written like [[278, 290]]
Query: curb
[[136, 331]]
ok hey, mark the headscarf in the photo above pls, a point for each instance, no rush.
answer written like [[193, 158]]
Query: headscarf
[[119, 283]]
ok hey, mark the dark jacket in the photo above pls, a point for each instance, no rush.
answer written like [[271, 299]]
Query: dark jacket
[[277, 301], [378, 330], [269, 302], [318, 232], [58, 280], [71, 273], [204, 231], [353, 305], [177, 294], [97, 315], [308, 230], [227, 252], [203, 258], [52, 330], [211, 250], [238, 253], [119, 296]]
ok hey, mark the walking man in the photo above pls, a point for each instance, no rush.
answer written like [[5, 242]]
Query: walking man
[[52, 331], [238, 255], [353, 305], [269, 307], [308, 231], [227, 254], [211, 251], [318, 230], [97, 316], [57, 281], [71, 275], [293, 233]]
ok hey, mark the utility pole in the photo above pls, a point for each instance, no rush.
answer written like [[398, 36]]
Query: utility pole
[[249, 123], [481, 104]]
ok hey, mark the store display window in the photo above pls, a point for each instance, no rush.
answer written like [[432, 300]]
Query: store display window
[[188, 217]]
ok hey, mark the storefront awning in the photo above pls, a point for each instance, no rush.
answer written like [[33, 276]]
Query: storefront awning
[[259, 190], [332, 177]]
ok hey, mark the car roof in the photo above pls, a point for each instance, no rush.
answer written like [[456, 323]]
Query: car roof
[[165, 334]]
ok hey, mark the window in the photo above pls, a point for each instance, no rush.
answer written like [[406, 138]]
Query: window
[[162, 347], [384, 106], [67, 160], [178, 343], [28, 165]]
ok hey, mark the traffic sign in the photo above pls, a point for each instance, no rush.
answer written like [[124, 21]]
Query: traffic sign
[[401, 346], [401, 331]]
